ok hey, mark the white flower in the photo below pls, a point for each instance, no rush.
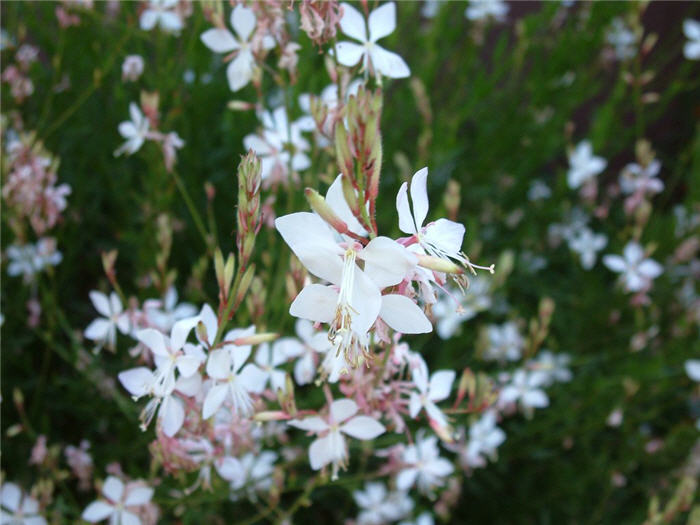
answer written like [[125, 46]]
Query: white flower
[[691, 29], [119, 499], [504, 342], [103, 330], [279, 145], [134, 131], [423, 466], [623, 39], [484, 438], [635, 178], [29, 259], [482, 9], [268, 358], [538, 191], [553, 366], [312, 341], [524, 387], [253, 471], [692, 368], [377, 506], [330, 446], [162, 13], [132, 68], [587, 244], [240, 70], [637, 271], [425, 518], [381, 22], [452, 310], [18, 508], [429, 393], [583, 165], [163, 314]]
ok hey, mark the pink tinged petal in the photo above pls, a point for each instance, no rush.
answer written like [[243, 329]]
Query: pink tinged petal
[[171, 415], [310, 424], [403, 315], [349, 54], [321, 453], [382, 21], [97, 511], [129, 518], [419, 196], [215, 398], [154, 340], [445, 235], [219, 40], [101, 303], [137, 380], [366, 301], [441, 384], [240, 70], [650, 269], [353, 23], [139, 496], [312, 241], [253, 379], [342, 409], [363, 427], [336, 200], [210, 321], [390, 65], [406, 222], [435, 414], [243, 21], [415, 404], [113, 489], [615, 263], [10, 496], [219, 364], [535, 398], [406, 478], [386, 261], [98, 330], [316, 303]]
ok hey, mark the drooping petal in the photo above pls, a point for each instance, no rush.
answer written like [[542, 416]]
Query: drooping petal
[[243, 21], [353, 23], [386, 261], [342, 409], [240, 70], [315, 302], [97, 511], [349, 54], [441, 384], [215, 398], [403, 315], [154, 340], [219, 40], [382, 21], [363, 427], [615, 263], [336, 200], [310, 424], [406, 222], [388, 64], [182, 328], [171, 415], [320, 453], [98, 330], [419, 196], [137, 380]]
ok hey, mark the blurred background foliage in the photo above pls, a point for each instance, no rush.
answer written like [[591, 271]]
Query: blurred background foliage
[[491, 108]]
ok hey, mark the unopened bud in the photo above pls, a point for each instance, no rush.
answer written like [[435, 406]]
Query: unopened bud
[[240, 105], [271, 415], [256, 339], [320, 206], [439, 265]]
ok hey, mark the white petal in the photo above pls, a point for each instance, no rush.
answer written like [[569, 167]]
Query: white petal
[[219, 40], [187, 365], [154, 340], [320, 453], [615, 263], [363, 427], [219, 364], [98, 330], [535, 398], [101, 303], [11, 496], [650, 269], [211, 323], [691, 29], [97, 511], [633, 252], [406, 478], [240, 70], [148, 20], [353, 23], [113, 488], [403, 315], [382, 21], [692, 368], [387, 262], [415, 404], [419, 196], [315, 302], [215, 397], [389, 64], [445, 235], [406, 222], [139, 496], [258, 145], [342, 409], [336, 200], [312, 241], [440, 384], [181, 329], [366, 301], [115, 305], [171, 415], [137, 380], [348, 53], [243, 21], [310, 424], [253, 379]]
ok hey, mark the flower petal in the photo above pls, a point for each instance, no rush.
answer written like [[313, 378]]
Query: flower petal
[[353, 23], [389, 64], [113, 489], [315, 302], [215, 398], [441, 384], [386, 261], [382, 21], [97, 511], [403, 315], [349, 54], [101, 303], [363, 427], [342, 409], [243, 21], [219, 40], [406, 222], [171, 415], [139, 496], [137, 381]]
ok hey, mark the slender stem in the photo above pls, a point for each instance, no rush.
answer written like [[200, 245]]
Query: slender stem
[[198, 222]]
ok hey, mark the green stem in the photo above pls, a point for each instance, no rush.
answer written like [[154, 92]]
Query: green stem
[[193, 210]]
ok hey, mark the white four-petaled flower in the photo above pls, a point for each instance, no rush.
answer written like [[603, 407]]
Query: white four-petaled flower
[[134, 131], [121, 505], [103, 330], [637, 271], [583, 165], [691, 29]]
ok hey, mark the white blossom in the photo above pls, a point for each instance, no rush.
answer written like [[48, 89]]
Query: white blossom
[[587, 244], [483, 9], [103, 330], [134, 131], [637, 271], [161, 13], [423, 466], [18, 508], [121, 503], [691, 29], [583, 165]]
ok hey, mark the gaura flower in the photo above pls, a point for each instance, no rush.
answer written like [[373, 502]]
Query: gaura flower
[[691, 29], [134, 131], [18, 508], [381, 22], [103, 330], [430, 393], [583, 165], [637, 271], [162, 13], [423, 466], [118, 500]]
